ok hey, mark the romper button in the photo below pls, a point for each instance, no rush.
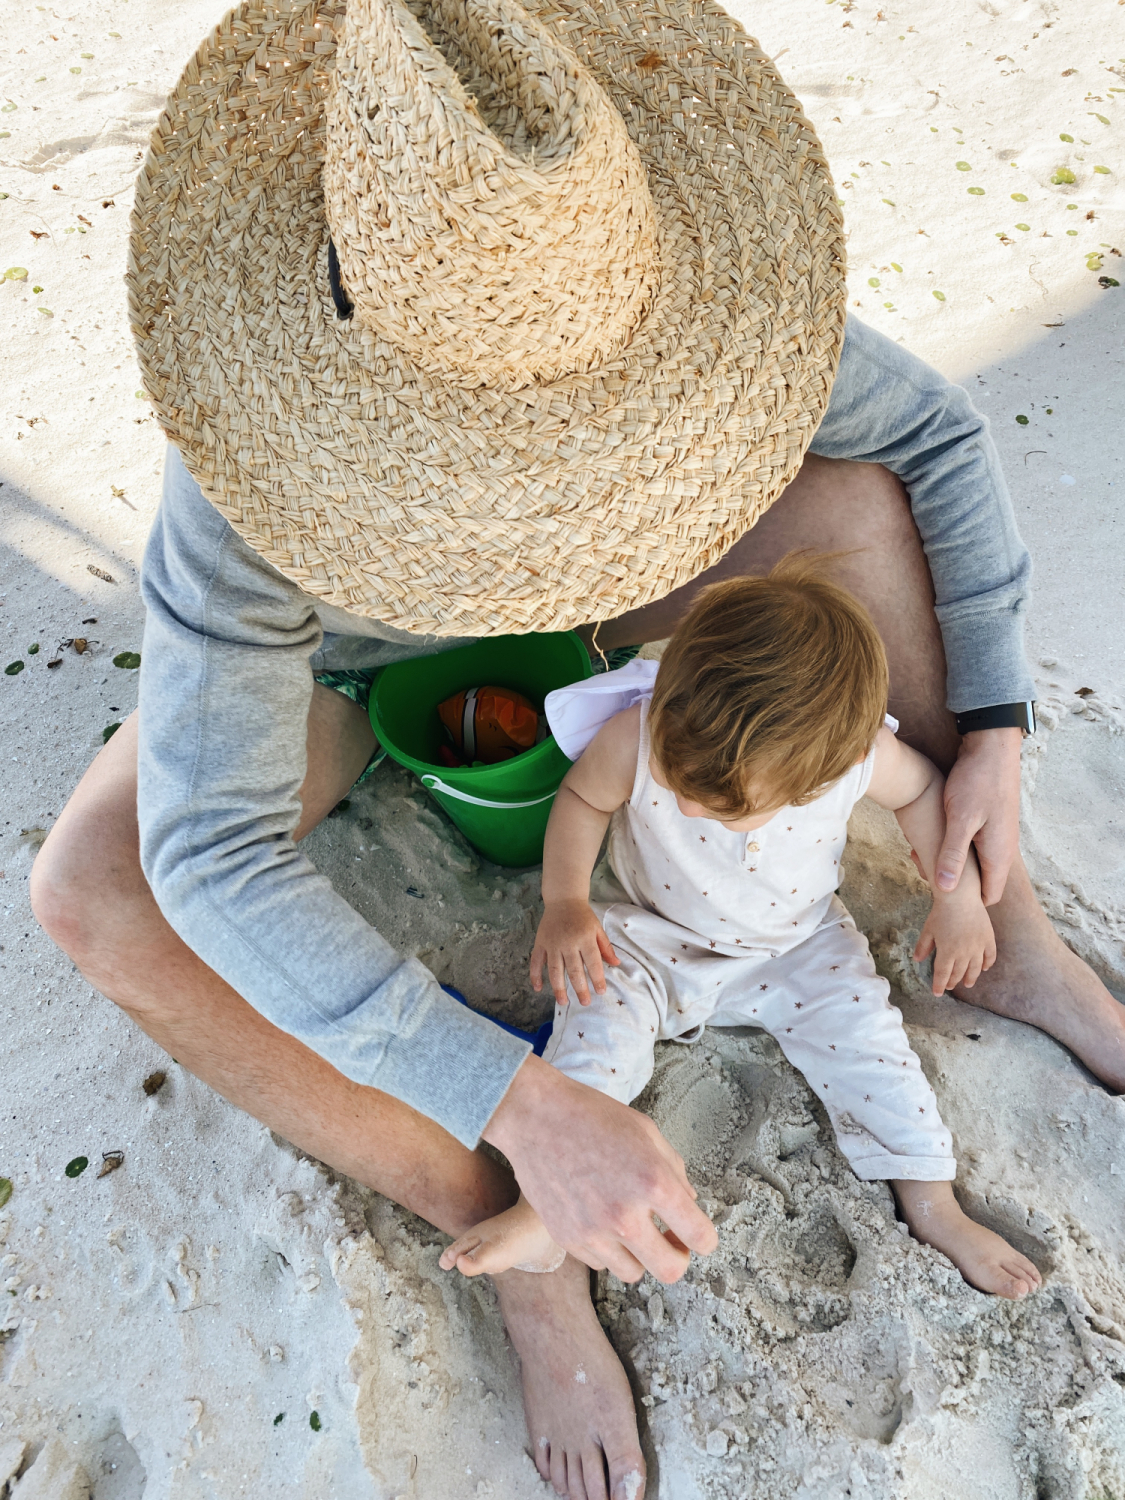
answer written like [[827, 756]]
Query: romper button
[[753, 848]]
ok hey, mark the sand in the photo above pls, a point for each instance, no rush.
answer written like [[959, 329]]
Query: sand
[[169, 1329]]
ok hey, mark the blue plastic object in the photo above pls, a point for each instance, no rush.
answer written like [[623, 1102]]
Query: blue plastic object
[[538, 1039]]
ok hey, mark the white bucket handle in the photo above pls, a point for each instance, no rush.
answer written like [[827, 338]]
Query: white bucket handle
[[435, 784]]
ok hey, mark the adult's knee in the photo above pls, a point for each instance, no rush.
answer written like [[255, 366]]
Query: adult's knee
[[84, 882]]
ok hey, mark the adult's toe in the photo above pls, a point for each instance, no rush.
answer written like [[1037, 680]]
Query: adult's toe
[[594, 1473]]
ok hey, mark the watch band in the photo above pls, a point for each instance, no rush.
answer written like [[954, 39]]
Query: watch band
[[998, 716]]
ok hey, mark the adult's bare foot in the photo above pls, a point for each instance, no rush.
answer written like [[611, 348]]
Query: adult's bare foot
[[579, 1408], [1037, 979]]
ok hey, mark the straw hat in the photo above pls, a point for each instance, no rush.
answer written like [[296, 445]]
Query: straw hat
[[584, 307]]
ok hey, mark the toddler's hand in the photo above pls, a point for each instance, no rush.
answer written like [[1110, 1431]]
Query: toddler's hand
[[959, 935], [571, 941]]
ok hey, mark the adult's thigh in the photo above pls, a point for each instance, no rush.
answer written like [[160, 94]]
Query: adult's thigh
[[87, 886]]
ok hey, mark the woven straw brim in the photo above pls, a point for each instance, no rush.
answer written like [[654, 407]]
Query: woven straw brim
[[398, 495]]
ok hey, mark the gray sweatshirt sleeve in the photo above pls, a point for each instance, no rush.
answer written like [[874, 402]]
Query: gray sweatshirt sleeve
[[225, 691], [889, 407]]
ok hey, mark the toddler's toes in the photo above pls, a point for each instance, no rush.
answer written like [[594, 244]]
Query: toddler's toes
[[1024, 1276], [1012, 1276], [459, 1248]]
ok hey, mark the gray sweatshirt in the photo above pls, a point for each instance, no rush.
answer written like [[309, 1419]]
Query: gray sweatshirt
[[230, 649]]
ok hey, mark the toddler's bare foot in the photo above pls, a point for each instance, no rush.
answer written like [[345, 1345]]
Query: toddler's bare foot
[[983, 1258], [514, 1240]]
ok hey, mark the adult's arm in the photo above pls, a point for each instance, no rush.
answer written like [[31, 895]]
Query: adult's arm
[[889, 407], [225, 690]]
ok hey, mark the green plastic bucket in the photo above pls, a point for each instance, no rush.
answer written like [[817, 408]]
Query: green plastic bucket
[[503, 809]]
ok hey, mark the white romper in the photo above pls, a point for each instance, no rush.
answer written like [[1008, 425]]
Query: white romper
[[745, 929]]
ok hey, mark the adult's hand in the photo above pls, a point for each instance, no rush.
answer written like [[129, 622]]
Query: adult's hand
[[982, 808], [596, 1172]]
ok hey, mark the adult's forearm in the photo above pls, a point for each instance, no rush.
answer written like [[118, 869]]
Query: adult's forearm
[[889, 407]]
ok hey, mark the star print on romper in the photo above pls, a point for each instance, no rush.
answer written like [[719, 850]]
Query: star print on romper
[[712, 942], [832, 968], [581, 1036], [763, 986], [798, 1005], [856, 999], [702, 840], [921, 1111]]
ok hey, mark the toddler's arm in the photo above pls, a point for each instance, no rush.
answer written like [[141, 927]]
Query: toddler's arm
[[957, 931], [571, 940]]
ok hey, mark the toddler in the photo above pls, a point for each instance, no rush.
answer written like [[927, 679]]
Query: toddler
[[727, 786]]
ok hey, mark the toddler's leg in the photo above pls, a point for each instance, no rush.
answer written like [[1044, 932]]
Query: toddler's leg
[[607, 1045], [983, 1258], [831, 1013]]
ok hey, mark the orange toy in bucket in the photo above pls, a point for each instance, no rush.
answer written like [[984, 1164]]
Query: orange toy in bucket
[[488, 725]]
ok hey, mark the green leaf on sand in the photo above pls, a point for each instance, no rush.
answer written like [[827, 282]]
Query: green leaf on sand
[[940, 296], [873, 281], [1064, 174], [314, 1421], [1019, 197], [46, 311], [963, 166], [76, 1167], [13, 669], [1103, 170], [895, 266], [277, 1421], [130, 660], [1023, 226], [16, 273], [5, 1190], [977, 192], [1023, 421], [1103, 118], [1069, 138], [109, 731], [33, 649], [1094, 260]]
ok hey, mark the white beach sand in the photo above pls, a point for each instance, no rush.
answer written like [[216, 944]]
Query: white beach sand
[[168, 1330]]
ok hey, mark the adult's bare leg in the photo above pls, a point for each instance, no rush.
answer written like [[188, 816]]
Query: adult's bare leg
[[833, 506], [89, 893]]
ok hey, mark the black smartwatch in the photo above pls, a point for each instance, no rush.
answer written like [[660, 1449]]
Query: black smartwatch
[[999, 716]]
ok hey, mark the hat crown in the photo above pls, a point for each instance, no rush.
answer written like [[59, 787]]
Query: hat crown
[[492, 218]]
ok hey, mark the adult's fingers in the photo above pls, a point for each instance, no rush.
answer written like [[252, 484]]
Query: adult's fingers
[[954, 852], [993, 873]]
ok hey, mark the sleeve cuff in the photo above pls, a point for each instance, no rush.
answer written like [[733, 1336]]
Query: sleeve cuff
[[451, 1064], [984, 654]]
